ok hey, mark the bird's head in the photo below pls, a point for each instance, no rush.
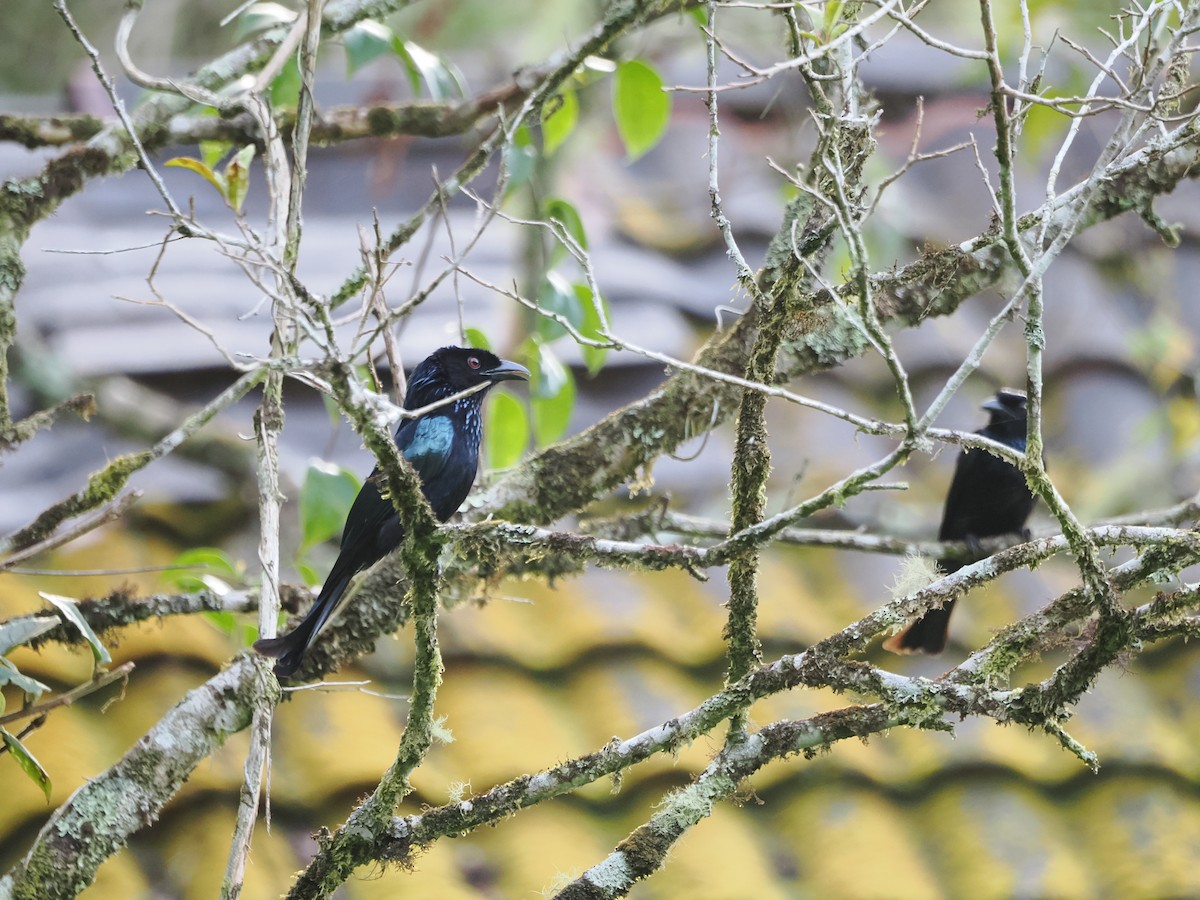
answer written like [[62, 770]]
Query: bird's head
[[453, 369], [1007, 407]]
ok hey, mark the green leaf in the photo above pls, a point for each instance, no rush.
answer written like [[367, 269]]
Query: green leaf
[[212, 152], [28, 764], [262, 16], [309, 575], [506, 430], [212, 558], [70, 611], [476, 338], [212, 561], [552, 396], [559, 121], [285, 89], [595, 321], [520, 160], [10, 674], [195, 165], [325, 500], [1043, 126], [442, 80], [833, 9], [366, 41], [237, 177], [568, 216], [557, 296], [16, 632], [222, 620], [641, 107], [247, 635]]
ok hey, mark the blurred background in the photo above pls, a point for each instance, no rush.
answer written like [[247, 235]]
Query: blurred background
[[538, 674]]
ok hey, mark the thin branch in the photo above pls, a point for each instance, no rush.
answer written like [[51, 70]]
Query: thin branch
[[99, 682], [118, 106], [107, 483]]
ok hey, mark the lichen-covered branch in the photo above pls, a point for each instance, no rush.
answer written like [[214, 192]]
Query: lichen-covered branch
[[99, 818], [16, 433], [976, 687], [121, 609], [337, 125], [645, 850], [104, 485]]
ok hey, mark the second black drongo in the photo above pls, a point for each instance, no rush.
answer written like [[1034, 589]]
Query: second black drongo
[[988, 498]]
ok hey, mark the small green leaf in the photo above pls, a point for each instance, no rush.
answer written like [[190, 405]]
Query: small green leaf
[[833, 9], [552, 396], [309, 575], [211, 561], [476, 338], [595, 322], [411, 69], [332, 410], [247, 635], [556, 295], [10, 674], [506, 430], [28, 764], [70, 611], [325, 500], [212, 152], [285, 89], [262, 16], [568, 216], [365, 42], [187, 162], [700, 14], [641, 107], [237, 177], [559, 120], [442, 80], [520, 160], [16, 632], [212, 558], [552, 415], [225, 622]]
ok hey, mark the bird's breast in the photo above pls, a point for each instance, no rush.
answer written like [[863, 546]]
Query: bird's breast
[[434, 436]]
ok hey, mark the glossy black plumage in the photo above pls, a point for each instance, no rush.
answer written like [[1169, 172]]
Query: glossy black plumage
[[988, 497], [443, 448]]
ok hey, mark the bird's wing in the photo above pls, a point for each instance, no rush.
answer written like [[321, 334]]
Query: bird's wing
[[372, 528]]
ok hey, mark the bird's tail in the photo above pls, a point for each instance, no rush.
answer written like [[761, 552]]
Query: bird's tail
[[289, 649], [926, 635]]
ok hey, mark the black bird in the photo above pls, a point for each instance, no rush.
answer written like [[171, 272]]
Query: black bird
[[988, 497], [442, 446]]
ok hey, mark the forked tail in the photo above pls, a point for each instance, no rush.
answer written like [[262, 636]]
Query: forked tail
[[289, 649]]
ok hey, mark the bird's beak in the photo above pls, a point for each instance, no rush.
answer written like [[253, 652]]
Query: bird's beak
[[508, 371], [993, 404]]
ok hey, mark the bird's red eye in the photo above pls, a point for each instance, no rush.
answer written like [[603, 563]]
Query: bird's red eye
[[473, 362]]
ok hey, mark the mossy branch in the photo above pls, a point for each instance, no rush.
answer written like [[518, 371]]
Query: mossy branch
[[103, 486], [100, 817], [976, 687]]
